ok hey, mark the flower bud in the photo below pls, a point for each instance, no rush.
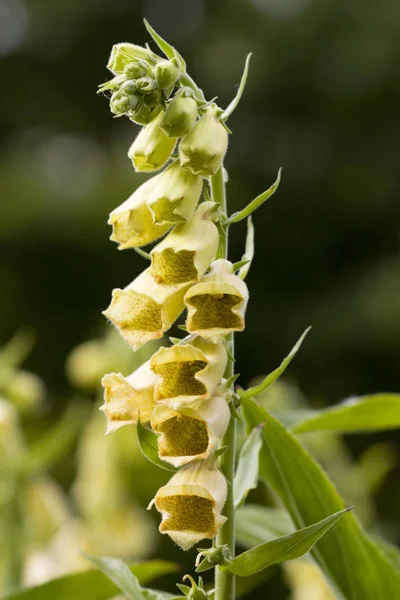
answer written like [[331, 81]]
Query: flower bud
[[136, 69], [124, 54], [127, 399], [151, 148], [203, 149], [145, 85], [25, 389], [165, 199], [144, 310], [180, 116], [149, 107], [175, 194], [216, 305], [188, 371], [166, 73], [121, 102], [191, 504], [190, 432], [187, 252]]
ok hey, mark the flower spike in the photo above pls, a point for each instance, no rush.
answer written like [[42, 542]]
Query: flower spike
[[188, 371], [191, 504], [127, 399], [216, 305], [144, 310]]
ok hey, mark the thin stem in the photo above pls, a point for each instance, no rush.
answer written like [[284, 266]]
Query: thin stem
[[224, 580]]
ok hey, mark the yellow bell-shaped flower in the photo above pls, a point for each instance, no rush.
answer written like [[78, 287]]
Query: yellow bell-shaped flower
[[128, 399], [191, 432], [152, 147], [144, 310], [217, 304], [168, 198], [189, 370], [187, 252], [191, 503], [203, 149]]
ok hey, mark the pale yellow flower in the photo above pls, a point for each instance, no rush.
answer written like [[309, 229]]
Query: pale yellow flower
[[144, 310], [191, 504], [152, 147], [168, 198], [216, 305], [180, 116], [189, 370], [128, 399], [187, 252], [203, 149], [191, 432]]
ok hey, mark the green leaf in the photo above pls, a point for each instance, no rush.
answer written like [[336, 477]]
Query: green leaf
[[346, 553], [246, 476], [53, 445], [376, 412], [120, 574], [256, 203], [149, 446], [272, 377], [249, 250], [284, 548], [90, 585], [257, 524], [169, 51], [229, 110]]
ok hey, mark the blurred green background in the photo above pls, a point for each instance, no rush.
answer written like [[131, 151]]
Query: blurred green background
[[322, 101]]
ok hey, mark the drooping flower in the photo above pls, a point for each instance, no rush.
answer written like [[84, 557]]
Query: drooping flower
[[187, 252], [203, 149], [152, 147], [189, 370], [191, 503], [180, 116], [216, 305], [128, 399], [144, 310], [191, 432], [163, 200]]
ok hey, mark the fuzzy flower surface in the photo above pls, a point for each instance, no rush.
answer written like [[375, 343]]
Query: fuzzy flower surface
[[144, 310], [217, 304], [187, 252], [188, 371], [152, 147], [191, 432], [191, 504]]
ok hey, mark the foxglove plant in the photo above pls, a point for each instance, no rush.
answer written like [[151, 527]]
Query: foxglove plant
[[183, 400]]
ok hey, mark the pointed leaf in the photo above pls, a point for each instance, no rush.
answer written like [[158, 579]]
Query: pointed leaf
[[272, 377], [120, 574], [246, 476], [249, 250], [256, 203], [257, 524], [149, 446], [90, 585], [284, 548], [346, 553], [229, 110], [377, 412]]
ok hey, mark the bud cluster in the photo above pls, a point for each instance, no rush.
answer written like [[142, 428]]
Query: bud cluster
[[180, 393]]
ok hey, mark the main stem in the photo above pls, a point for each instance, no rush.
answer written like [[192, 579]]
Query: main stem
[[225, 580]]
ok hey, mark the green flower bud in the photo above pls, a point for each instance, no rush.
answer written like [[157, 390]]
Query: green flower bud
[[180, 117], [121, 103], [136, 69], [145, 113], [151, 148], [145, 85], [203, 149], [124, 54], [166, 73]]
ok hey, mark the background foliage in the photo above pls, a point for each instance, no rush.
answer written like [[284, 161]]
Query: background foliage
[[321, 101]]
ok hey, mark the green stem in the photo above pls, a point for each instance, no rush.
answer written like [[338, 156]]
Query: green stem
[[224, 580]]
